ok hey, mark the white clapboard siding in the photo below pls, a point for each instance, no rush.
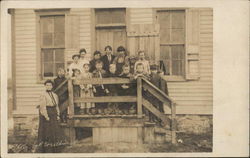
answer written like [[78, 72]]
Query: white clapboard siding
[[85, 29], [140, 16]]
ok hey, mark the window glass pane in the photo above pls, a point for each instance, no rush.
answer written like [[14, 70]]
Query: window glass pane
[[47, 40], [177, 35], [59, 39], [103, 17], [47, 24], [48, 70], [47, 55], [164, 52], [177, 67], [118, 16], [178, 19], [59, 24], [59, 55], [177, 52], [59, 65], [164, 20]]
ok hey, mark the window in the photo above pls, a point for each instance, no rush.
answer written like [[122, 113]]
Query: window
[[52, 42], [172, 41], [110, 25]]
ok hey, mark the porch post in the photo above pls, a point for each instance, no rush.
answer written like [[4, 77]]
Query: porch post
[[71, 112], [173, 123], [139, 97]]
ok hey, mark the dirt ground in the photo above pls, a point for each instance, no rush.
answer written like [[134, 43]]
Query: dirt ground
[[186, 143]]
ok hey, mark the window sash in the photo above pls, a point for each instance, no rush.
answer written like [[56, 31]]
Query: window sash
[[169, 62]]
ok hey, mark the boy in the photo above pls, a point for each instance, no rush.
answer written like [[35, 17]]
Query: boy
[[108, 58], [100, 89], [126, 89], [139, 71], [112, 88], [97, 56], [132, 61], [144, 62], [62, 96]]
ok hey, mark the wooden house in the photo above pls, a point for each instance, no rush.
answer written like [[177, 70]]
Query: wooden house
[[180, 40]]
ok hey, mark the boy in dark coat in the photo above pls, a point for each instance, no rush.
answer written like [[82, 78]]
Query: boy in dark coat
[[108, 58], [62, 93], [97, 56], [101, 90]]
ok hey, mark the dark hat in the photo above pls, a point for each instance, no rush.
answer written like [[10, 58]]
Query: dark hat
[[97, 52], [108, 47], [120, 49], [49, 81], [82, 50], [75, 55]]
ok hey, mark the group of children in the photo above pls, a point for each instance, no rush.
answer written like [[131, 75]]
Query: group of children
[[106, 66]]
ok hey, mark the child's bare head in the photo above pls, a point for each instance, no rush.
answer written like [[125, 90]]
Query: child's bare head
[[86, 67], [112, 68], [139, 68], [108, 50], [75, 58], [125, 69], [82, 52], [97, 55], [141, 55], [49, 85], [60, 72], [98, 64], [77, 72]]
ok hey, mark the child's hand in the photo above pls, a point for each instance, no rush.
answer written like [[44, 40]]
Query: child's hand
[[106, 90], [125, 86], [94, 90]]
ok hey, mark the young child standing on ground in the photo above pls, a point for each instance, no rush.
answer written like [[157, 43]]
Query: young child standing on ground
[[64, 96], [101, 90], [86, 90], [144, 62]]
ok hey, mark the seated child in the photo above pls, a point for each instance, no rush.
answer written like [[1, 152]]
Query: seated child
[[144, 62], [76, 88], [132, 60], [101, 90], [86, 90], [139, 72], [64, 96]]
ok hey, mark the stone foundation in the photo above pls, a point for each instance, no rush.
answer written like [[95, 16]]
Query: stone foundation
[[26, 126]]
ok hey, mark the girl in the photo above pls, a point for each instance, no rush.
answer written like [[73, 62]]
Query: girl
[[86, 90], [50, 137], [144, 62], [74, 65], [121, 59], [83, 60]]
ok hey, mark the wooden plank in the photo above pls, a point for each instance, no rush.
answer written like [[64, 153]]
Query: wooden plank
[[139, 97], [71, 98], [106, 99], [114, 80], [173, 123], [108, 122], [156, 112], [139, 135]]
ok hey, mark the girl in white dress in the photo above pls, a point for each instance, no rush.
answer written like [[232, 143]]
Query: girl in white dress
[[86, 90]]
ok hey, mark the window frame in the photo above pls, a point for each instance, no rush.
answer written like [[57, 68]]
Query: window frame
[[173, 78], [39, 14], [96, 26]]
